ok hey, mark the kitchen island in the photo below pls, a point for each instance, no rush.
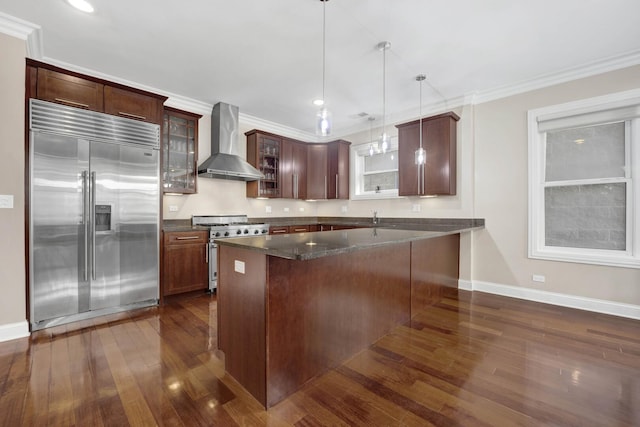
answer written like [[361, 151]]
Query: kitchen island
[[290, 307]]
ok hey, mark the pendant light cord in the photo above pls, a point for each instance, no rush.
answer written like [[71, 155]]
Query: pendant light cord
[[324, 46]]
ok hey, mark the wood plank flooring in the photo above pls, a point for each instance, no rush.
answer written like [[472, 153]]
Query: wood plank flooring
[[471, 360]]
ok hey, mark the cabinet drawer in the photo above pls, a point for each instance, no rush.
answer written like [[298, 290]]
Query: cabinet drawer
[[69, 90], [298, 228], [132, 105], [279, 230], [185, 237]]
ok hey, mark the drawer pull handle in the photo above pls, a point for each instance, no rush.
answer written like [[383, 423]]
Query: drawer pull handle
[[68, 101], [188, 238], [133, 116], [279, 231]]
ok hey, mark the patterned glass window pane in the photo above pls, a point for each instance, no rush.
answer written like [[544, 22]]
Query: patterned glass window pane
[[586, 216]]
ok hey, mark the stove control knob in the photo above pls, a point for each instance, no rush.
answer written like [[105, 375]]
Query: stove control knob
[[255, 231], [226, 233], [239, 232], [217, 234], [246, 231], [264, 231]]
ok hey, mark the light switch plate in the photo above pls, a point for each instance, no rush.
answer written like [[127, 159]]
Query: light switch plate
[[6, 201], [286, 209]]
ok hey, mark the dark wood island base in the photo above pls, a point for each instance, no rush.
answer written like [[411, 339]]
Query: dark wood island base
[[284, 321]]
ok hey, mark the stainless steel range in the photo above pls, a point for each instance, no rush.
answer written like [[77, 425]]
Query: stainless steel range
[[221, 227]]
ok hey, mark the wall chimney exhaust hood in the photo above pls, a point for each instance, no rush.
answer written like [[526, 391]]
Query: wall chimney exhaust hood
[[225, 162]]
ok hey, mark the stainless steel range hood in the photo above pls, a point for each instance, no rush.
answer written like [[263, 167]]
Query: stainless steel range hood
[[225, 162]]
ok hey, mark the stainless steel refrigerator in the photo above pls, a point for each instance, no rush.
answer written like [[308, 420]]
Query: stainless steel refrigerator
[[94, 213]]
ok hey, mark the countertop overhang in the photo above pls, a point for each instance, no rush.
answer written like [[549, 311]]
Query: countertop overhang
[[305, 246]]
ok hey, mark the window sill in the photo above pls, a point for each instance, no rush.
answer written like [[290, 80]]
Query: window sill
[[625, 261]]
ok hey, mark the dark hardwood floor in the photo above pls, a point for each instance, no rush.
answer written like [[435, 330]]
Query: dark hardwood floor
[[472, 360]]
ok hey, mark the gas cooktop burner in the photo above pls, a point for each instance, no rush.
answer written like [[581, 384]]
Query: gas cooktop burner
[[229, 226]]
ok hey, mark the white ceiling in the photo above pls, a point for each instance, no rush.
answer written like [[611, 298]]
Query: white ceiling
[[266, 56]]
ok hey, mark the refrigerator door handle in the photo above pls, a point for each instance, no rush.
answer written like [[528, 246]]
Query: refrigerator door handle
[[93, 225], [85, 223]]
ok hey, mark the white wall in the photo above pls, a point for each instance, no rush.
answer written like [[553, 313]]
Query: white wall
[[12, 149], [500, 251]]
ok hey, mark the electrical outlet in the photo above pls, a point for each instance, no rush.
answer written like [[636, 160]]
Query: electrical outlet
[[173, 208], [415, 208], [301, 209], [267, 209], [344, 209], [238, 266], [286, 209], [538, 278]]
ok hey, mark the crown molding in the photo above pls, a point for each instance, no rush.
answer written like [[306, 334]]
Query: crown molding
[[23, 30], [612, 63], [279, 129]]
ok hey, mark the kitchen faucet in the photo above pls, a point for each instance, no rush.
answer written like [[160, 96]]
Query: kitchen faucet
[[375, 217]]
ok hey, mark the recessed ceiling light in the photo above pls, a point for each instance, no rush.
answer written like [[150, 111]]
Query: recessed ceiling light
[[82, 5], [318, 102]]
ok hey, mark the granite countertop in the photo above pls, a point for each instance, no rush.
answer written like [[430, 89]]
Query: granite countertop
[[305, 246]]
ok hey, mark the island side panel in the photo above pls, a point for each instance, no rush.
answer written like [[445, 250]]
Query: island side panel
[[434, 269], [322, 311], [241, 317]]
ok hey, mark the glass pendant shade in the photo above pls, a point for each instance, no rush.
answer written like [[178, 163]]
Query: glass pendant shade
[[384, 142], [323, 122], [421, 156]]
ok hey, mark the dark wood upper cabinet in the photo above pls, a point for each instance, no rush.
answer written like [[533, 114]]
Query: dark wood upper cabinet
[[132, 105], [54, 84], [69, 90], [293, 169], [439, 139], [317, 171], [302, 170], [338, 174], [179, 151], [264, 153]]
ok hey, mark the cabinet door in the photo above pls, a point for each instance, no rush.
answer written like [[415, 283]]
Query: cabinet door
[[287, 178], [299, 155], [338, 164], [185, 262], [132, 105], [69, 90], [317, 171], [408, 143], [179, 151], [440, 170]]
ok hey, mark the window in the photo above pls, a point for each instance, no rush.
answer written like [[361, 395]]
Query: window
[[584, 181], [375, 175]]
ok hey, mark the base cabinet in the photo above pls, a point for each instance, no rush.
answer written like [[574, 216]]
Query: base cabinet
[[185, 262], [438, 175]]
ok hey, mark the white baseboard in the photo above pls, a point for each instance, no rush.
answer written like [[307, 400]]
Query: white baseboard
[[11, 331], [563, 300]]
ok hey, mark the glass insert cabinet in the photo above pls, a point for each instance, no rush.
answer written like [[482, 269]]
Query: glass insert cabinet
[[179, 151], [263, 151]]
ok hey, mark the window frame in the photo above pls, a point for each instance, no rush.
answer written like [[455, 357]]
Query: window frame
[[358, 154], [589, 108]]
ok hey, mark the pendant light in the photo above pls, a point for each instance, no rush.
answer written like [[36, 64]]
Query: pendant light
[[323, 117], [421, 154], [384, 138]]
